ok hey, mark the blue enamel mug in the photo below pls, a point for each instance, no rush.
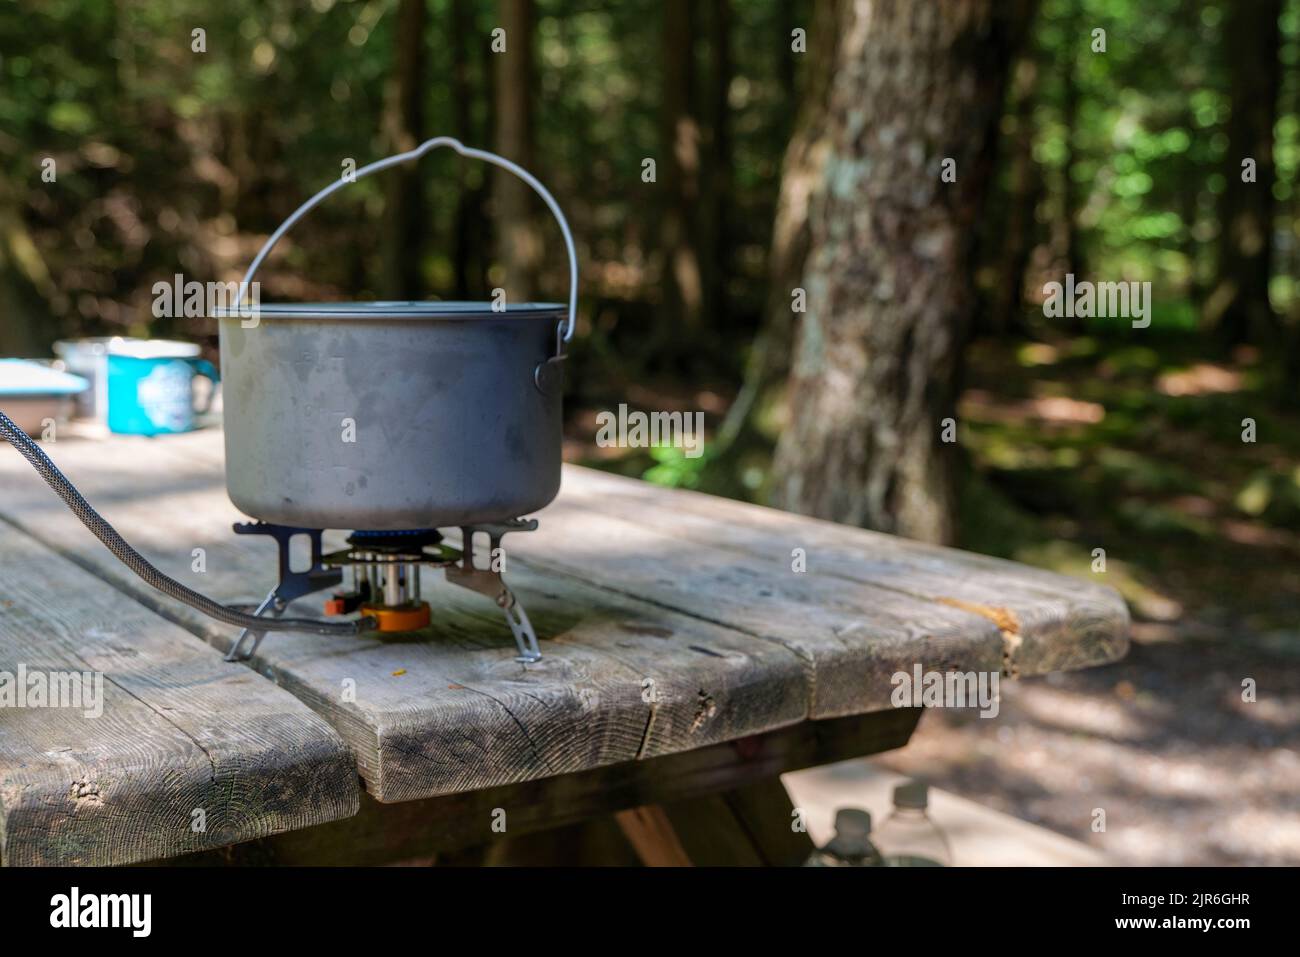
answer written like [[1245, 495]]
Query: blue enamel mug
[[151, 388]]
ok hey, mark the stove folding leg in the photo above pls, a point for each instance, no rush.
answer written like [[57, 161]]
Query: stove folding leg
[[489, 582], [520, 626], [292, 585], [272, 606]]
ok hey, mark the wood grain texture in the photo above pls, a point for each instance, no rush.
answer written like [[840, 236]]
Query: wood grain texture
[[849, 639], [178, 731], [1051, 622], [669, 620]]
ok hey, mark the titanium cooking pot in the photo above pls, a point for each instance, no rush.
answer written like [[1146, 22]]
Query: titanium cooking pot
[[394, 415]]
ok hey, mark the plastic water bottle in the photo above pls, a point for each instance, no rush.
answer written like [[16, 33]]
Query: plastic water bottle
[[908, 838], [851, 846]]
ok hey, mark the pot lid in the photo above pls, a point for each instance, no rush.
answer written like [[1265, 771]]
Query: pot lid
[[394, 309]]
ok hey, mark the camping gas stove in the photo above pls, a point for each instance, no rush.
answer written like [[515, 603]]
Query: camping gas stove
[[378, 575]]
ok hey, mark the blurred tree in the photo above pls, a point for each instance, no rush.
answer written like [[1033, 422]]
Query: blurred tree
[[24, 284], [469, 64], [1076, 37], [404, 213], [520, 245], [1012, 244], [1239, 306], [679, 178], [768, 364], [887, 276]]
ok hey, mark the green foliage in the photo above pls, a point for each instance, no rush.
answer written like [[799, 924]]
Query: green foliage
[[1143, 147], [674, 469]]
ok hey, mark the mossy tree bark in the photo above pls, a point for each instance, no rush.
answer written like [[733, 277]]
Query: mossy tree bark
[[887, 279]]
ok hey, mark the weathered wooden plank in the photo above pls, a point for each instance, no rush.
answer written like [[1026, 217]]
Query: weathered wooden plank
[[384, 833], [1049, 621], [179, 750], [621, 679]]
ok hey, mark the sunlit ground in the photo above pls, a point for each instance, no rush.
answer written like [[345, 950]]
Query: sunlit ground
[[1139, 451]]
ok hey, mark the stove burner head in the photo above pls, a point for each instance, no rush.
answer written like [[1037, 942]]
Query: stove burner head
[[418, 547], [413, 540]]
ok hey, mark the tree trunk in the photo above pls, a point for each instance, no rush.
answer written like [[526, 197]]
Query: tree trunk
[[404, 127], [678, 175], [519, 242], [1070, 203], [469, 265], [1014, 246], [768, 364], [787, 18], [715, 206], [26, 289], [888, 279], [1239, 306]]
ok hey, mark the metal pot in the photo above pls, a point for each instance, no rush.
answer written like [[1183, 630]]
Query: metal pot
[[394, 415]]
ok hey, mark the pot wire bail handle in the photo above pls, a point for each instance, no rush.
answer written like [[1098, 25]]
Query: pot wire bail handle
[[415, 154]]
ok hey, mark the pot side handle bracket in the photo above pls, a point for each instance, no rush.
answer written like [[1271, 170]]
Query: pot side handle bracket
[[488, 581]]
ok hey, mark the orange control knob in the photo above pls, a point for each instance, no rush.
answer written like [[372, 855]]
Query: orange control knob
[[403, 618]]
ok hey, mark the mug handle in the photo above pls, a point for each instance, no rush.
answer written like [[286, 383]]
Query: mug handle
[[206, 369]]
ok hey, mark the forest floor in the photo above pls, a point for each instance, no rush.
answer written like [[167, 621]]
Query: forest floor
[[1139, 451]]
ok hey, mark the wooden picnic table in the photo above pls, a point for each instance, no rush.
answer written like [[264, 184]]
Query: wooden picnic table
[[686, 664]]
